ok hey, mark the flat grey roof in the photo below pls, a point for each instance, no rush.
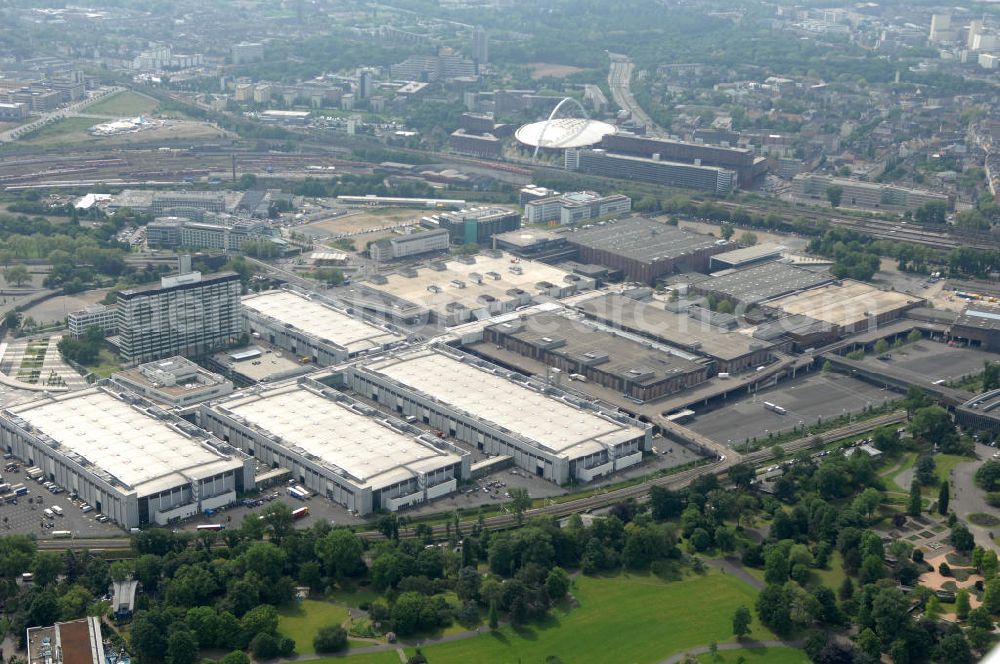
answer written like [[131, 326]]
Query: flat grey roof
[[756, 284], [320, 320], [641, 239], [744, 254], [367, 450], [585, 341], [142, 452], [654, 321], [550, 423], [980, 317]]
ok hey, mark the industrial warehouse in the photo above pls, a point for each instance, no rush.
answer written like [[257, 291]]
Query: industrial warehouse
[[645, 250], [478, 404], [731, 352], [311, 328], [337, 447], [133, 463], [641, 370]]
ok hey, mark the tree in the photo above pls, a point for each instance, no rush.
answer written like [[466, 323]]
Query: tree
[[236, 657], [520, 502], [12, 319], [991, 375], [494, 622], [182, 648], [748, 238], [961, 538], [834, 194], [988, 476], [46, 567], [332, 638], [17, 275], [913, 507], [931, 212], [557, 584], [261, 619], [925, 470], [741, 622], [881, 347], [340, 550], [886, 439], [943, 497], [914, 336], [962, 606], [726, 231], [932, 424]]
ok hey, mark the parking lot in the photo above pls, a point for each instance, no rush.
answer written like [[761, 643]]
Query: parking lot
[[937, 360], [27, 515], [805, 399]]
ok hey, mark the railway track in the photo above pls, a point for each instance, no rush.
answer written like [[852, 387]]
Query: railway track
[[940, 239]]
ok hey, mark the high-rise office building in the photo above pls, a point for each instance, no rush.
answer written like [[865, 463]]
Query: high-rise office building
[[186, 315], [480, 45], [365, 85]]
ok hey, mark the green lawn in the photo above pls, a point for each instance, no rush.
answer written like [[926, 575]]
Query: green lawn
[[107, 364], [762, 655], [303, 621], [56, 131], [945, 463], [124, 104], [383, 657], [833, 577], [637, 617]]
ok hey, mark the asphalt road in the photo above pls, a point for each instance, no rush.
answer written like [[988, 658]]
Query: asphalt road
[[968, 499]]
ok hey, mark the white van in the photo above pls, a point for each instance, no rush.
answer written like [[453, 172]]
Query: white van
[[58, 511], [48, 513]]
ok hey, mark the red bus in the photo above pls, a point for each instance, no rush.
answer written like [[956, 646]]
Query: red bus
[[211, 526], [300, 513]]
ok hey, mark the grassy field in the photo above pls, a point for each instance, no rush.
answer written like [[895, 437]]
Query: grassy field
[[833, 577], [751, 655], [107, 364], [301, 623], [384, 657], [639, 618], [124, 104], [63, 130]]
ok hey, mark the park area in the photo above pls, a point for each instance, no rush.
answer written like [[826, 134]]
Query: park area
[[640, 618], [124, 104]]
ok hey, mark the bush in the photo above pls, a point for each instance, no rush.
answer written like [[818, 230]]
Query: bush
[[332, 638], [944, 569]]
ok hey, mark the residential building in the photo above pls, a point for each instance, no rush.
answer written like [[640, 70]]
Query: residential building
[[855, 193], [246, 52]]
